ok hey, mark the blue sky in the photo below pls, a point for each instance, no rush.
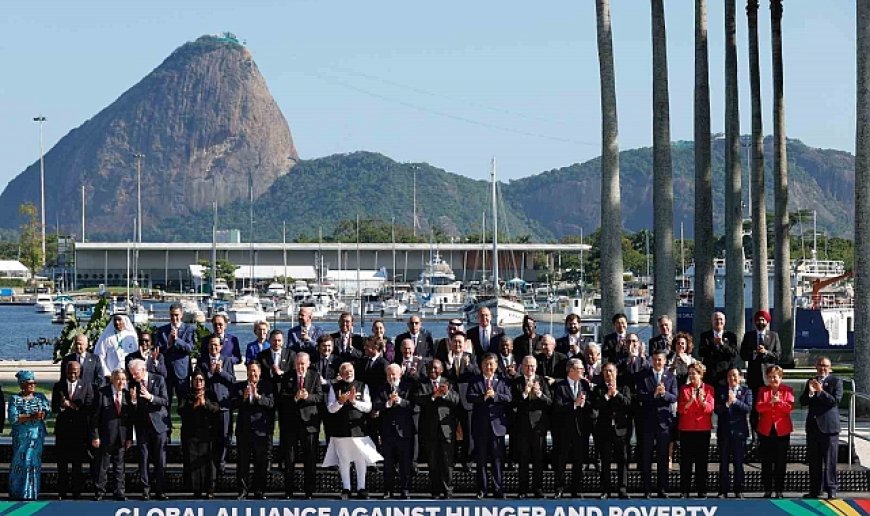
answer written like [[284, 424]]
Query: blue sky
[[450, 83]]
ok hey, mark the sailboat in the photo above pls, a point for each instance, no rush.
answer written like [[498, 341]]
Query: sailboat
[[506, 310]]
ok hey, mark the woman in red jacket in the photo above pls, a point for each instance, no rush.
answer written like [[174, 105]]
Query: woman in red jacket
[[695, 405], [774, 405]]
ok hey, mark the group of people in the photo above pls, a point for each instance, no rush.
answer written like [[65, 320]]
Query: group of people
[[411, 399]]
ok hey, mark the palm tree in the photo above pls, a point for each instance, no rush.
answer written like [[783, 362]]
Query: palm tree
[[759, 204], [611, 212], [782, 315], [663, 190], [734, 311], [862, 199], [703, 179]]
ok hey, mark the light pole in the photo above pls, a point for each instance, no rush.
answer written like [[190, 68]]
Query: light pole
[[138, 156], [41, 120]]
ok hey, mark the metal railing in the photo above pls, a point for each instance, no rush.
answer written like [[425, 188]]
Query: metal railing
[[851, 432]]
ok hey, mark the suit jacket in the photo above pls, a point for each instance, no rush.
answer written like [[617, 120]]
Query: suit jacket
[[553, 367], [756, 365], [397, 421], [220, 384], [153, 414], [327, 366], [824, 406], [660, 343], [373, 374], [92, 370], [695, 417], [656, 410], [437, 417], [563, 346], [425, 343], [524, 346], [417, 363], [71, 424], [774, 415], [718, 359], [567, 417], [613, 415], [295, 342], [111, 428], [481, 348], [229, 348], [611, 351], [300, 416], [532, 413], [152, 366], [286, 363], [501, 365], [460, 381], [253, 350], [350, 355], [489, 413], [177, 355], [731, 421], [255, 418]]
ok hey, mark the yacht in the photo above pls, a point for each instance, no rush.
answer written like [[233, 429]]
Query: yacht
[[44, 304], [438, 287], [246, 310], [276, 290]]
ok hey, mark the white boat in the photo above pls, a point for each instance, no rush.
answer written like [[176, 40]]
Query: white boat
[[221, 289], [246, 310], [438, 287], [44, 304], [191, 312], [276, 290], [301, 292], [637, 309]]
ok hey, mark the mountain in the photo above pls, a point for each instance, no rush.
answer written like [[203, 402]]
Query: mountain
[[207, 125]]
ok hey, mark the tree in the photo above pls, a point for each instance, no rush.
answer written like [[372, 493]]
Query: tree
[[734, 306], [703, 179], [760, 299], [611, 210], [225, 270], [782, 316], [862, 199], [663, 189], [30, 239]]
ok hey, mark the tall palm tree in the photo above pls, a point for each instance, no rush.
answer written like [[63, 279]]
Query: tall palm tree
[[862, 199], [782, 316], [611, 211], [663, 190], [759, 204], [734, 305], [703, 179]]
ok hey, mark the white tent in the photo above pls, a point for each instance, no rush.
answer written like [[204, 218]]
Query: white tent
[[14, 269]]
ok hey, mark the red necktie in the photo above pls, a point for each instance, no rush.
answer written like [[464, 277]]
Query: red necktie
[[118, 404]]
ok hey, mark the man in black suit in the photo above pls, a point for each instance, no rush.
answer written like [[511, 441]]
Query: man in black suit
[[72, 400], [175, 342], [154, 361], [718, 351], [303, 336], [490, 396], [111, 432], [276, 360], [424, 345], [395, 408], [532, 399], [371, 369], [570, 408], [413, 365], [663, 340], [300, 397], [571, 344], [657, 390], [229, 342], [442, 347], [551, 363], [459, 370], [485, 336], [437, 401], [92, 370], [220, 380], [733, 403], [506, 361], [822, 394], [612, 429], [348, 345], [760, 349], [149, 402], [614, 346], [326, 363], [254, 426], [529, 342]]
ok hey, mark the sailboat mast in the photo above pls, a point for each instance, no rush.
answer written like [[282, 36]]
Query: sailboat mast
[[494, 232]]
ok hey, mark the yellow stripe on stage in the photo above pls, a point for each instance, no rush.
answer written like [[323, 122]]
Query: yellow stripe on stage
[[843, 507]]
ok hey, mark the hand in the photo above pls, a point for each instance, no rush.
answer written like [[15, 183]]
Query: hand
[[394, 397], [352, 395], [511, 369], [155, 353], [490, 393], [660, 390], [634, 349], [216, 367], [574, 348], [276, 370], [529, 387], [143, 392], [173, 334], [302, 394], [814, 385], [128, 445], [731, 397], [95, 443], [134, 394], [465, 360], [611, 389], [304, 334], [247, 392], [760, 349], [65, 403], [581, 400], [775, 398]]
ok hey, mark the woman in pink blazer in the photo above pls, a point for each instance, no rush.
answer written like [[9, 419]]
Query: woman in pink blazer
[[775, 401], [695, 405]]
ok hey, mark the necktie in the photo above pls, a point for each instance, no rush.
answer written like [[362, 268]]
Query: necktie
[[300, 382], [72, 389], [760, 338], [456, 361], [488, 384], [484, 339], [434, 385], [81, 359], [574, 388], [658, 378], [118, 403]]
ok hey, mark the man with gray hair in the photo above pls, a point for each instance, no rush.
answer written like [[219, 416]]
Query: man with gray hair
[[149, 401]]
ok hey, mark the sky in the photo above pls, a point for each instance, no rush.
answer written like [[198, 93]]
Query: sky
[[451, 83]]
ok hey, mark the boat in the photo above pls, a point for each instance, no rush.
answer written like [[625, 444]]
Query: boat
[[191, 312], [82, 310], [438, 287], [221, 289], [44, 304], [276, 290], [246, 310], [301, 292], [637, 309]]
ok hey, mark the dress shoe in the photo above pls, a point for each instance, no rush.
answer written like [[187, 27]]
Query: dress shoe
[[119, 498], [209, 496], [559, 494], [778, 495], [146, 496], [647, 495], [811, 495], [499, 495], [442, 496], [739, 495], [521, 496], [767, 494], [405, 495], [98, 498], [481, 495], [604, 496], [685, 495], [832, 495], [308, 496], [623, 494], [387, 496], [345, 494], [722, 496], [162, 497], [702, 495], [259, 496], [538, 494], [662, 494], [362, 494]]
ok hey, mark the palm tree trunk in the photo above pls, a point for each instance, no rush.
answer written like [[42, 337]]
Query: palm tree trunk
[[862, 200], [703, 294], [782, 316], [663, 190], [611, 211], [759, 203]]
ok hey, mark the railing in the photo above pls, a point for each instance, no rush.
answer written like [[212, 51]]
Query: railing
[[852, 431]]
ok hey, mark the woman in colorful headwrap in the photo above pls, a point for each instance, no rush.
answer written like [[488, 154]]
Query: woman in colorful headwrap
[[27, 411]]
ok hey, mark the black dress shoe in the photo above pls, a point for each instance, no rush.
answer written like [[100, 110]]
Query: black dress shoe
[[811, 495], [259, 496], [647, 495], [442, 496], [521, 496], [345, 494], [832, 495], [767, 494], [60, 498], [387, 496], [604, 496], [779, 495], [662, 494], [288, 496], [702, 495], [481, 495], [499, 495], [209, 496], [98, 498], [405, 495], [559, 494], [119, 498], [538, 494], [362, 494], [623, 495], [162, 497], [722, 496], [146, 496], [684, 495], [739, 496]]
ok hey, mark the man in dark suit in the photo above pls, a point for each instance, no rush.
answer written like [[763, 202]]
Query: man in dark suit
[[437, 401], [612, 429], [733, 403], [490, 397], [570, 408], [220, 380], [460, 369], [529, 342], [424, 346], [303, 336], [254, 426], [718, 351], [663, 340], [571, 344], [614, 346], [72, 401], [229, 342], [551, 363], [92, 370], [507, 362], [395, 408], [111, 433], [348, 345], [299, 400], [150, 401], [276, 360], [657, 390], [484, 336], [372, 368], [326, 361], [760, 349], [822, 394], [413, 365], [531, 397], [175, 342], [154, 361], [442, 347]]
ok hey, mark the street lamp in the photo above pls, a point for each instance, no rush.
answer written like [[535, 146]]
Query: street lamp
[[41, 120], [138, 156]]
